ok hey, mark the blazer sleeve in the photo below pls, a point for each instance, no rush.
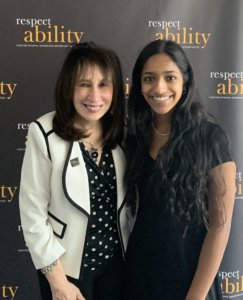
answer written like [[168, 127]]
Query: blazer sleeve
[[34, 198]]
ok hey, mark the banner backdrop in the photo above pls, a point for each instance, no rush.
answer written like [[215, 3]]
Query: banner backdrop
[[34, 36]]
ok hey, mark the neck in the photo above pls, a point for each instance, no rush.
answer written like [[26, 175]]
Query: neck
[[86, 125], [162, 124], [92, 130]]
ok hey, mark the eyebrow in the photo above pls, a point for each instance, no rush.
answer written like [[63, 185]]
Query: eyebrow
[[151, 73], [89, 79]]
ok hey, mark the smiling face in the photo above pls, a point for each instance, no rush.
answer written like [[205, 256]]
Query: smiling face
[[92, 96], [162, 83]]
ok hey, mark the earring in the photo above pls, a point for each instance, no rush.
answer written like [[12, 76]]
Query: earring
[[111, 111]]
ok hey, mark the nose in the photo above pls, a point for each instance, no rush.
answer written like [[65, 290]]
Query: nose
[[94, 93], [160, 85]]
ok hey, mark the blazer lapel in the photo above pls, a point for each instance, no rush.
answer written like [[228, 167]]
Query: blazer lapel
[[75, 179], [119, 161]]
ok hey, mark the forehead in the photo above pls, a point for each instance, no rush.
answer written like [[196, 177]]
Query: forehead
[[160, 63], [91, 70]]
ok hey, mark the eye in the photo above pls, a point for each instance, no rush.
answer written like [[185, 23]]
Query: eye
[[105, 83], [83, 84], [171, 78], [148, 79]]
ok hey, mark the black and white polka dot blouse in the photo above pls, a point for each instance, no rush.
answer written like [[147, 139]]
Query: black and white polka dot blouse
[[102, 239]]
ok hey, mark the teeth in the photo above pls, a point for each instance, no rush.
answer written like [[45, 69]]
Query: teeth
[[93, 108], [160, 98], [91, 105]]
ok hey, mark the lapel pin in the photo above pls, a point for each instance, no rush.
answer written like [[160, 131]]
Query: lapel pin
[[74, 162]]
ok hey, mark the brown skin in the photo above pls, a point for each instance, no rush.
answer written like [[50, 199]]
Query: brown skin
[[162, 86]]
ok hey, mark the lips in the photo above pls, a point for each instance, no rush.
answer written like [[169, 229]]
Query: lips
[[93, 108], [160, 98]]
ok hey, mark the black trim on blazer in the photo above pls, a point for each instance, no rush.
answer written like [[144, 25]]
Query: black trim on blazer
[[64, 182], [45, 136], [119, 226], [62, 223], [122, 147]]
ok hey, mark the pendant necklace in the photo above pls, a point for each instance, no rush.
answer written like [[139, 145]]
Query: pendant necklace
[[92, 150], [157, 131]]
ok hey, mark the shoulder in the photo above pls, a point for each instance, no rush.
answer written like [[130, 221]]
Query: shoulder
[[206, 134], [40, 130], [214, 133], [213, 128], [46, 121], [217, 143], [41, 136]]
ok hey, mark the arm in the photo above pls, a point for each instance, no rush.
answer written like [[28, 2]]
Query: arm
[[61, 288], [221, 186], [34, 198]]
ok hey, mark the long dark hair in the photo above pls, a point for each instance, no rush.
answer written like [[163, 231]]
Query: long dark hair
[[182, 167], [78, 59]]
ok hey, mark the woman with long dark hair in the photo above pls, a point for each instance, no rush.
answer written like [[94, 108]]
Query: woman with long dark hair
[[72, 191], [181, 182]]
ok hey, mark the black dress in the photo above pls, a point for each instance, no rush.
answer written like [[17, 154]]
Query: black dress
[[161, 258]]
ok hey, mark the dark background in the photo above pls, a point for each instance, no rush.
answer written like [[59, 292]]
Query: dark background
[[124, 27]]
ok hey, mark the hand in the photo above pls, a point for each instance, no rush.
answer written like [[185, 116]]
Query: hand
[[61, 288], [67, 291]]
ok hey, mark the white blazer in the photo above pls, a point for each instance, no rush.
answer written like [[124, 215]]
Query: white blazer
[[55, 200]]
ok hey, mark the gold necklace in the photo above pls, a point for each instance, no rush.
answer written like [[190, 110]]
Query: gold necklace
[[159, 133]]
